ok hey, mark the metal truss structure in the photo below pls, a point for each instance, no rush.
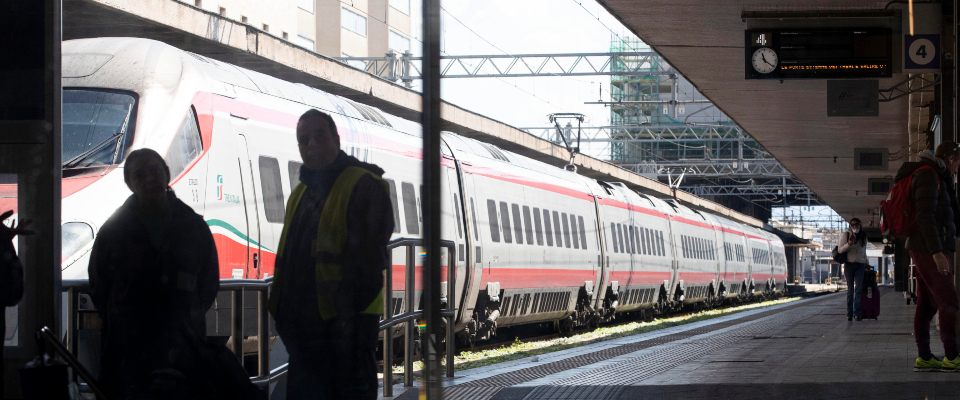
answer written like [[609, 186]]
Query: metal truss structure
[[406, 68], [720, 151]]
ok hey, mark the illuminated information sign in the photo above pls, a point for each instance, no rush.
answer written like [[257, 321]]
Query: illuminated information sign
[[818, 53]]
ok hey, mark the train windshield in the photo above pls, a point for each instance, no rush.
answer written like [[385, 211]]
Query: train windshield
[[96, 126]]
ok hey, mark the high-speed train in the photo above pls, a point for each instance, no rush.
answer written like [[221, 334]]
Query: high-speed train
[[535, 243]]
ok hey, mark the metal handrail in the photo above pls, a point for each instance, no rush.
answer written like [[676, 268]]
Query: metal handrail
[[71, 360], [266, 376], [407, 318]]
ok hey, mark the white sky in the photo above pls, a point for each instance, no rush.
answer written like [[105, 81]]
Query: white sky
[[530, 26]]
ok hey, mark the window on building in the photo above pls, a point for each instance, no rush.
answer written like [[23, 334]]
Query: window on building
[[186, 146], [517, 226], [271, 190], [223, 11], [285, 35], [410, 214], [398, 42], [539, 226], [306, 5], [492, 217], [401, 5], [548, 230], [393, 202], [583, 234], [305, 43], [557, 230], [505, 222], [573, 231], [243, 19], [266, 28], [527, 224], [353, 22], [198, 3]]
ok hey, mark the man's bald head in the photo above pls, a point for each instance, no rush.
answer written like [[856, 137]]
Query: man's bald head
[[318, 139]]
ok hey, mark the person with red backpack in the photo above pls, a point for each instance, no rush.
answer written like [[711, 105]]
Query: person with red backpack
[[932, 243]]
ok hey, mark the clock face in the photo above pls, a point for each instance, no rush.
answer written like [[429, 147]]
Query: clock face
[[764, 60]]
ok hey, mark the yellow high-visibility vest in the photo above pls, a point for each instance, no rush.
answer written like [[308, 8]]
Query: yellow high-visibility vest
[[331, 239]]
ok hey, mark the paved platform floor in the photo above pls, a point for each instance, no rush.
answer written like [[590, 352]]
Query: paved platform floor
[[800, 350]]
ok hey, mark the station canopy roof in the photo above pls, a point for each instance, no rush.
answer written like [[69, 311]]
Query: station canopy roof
[[704, 41]]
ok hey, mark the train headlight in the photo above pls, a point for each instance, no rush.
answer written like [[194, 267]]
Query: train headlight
[[75, 236]]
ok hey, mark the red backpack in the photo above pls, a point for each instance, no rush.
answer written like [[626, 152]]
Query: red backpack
[[896, 212]]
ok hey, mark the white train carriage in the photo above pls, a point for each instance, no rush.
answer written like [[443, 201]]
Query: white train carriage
[[639, 249], [534, 243], [734, 267]]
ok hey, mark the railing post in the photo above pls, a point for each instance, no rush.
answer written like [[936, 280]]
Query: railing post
[[388, 333], [263, 333], [236, 326], [71, 312], [451, 305], [409, 326]]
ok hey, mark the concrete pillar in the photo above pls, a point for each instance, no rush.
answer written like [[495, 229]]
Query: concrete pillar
[[30, 148]]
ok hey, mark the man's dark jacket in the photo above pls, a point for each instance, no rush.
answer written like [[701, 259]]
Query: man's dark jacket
[[152, 286], [935, 205], [369, 226]]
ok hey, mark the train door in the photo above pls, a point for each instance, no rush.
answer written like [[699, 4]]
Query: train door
[[474, 245], [458, 233], [675, 244], [251, 211], [603, 273]]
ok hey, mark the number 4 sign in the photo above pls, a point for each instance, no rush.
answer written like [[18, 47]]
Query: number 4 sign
[[921, 51]]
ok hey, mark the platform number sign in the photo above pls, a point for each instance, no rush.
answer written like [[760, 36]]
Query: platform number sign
[[921, 51]]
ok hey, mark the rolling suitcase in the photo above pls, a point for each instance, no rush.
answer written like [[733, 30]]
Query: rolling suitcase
[[870, 296]]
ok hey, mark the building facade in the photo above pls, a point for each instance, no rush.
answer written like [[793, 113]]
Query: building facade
[[358, 28]]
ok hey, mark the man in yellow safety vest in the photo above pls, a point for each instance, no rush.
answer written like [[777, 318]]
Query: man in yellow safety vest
[[327, 293]]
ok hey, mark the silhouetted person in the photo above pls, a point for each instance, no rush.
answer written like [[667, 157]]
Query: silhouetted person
[[153, 276], [853, 243], [327, 296], [932, 247], [11, 273]]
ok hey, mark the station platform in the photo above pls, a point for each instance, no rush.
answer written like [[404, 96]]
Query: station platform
[[800, 350]]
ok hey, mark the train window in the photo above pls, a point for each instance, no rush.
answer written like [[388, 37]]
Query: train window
[[573, 228], [644, 235], [187, 146], [527, 224], [517, 227], [583, 233], [456, 208], [613, 237], [566, 231], [663, 250], [620, 238], [410, 208], [492, 217], [293, 169], [473, 210], [393, 201], [546, 226], [270, 189], [556, 225], [633, 239], [505, 222], [539, 225]]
